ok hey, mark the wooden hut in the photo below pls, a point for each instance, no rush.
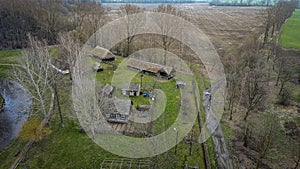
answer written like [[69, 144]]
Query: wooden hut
[[102, 54], [180, 84], [120, 110], [158, 70], [108, 89], [131, 89]]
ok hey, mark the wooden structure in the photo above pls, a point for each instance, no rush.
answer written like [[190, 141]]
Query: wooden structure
[[158, 70], [60, 66], [97, 67], [180, 84], [102, 54], [126, 163], [119, 110], [108, 90], [143, 107], [131, 89]]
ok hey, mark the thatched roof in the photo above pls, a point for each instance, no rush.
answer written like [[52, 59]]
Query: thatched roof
[[108, 89], [148, 66], [102, 53], [131, 87], [123, 106]]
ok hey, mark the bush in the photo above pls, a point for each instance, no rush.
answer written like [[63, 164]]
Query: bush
[[32, 130]]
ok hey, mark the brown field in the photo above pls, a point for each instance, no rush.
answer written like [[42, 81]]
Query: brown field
[[226, 27]]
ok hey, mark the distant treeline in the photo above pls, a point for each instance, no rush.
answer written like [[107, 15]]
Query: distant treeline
[[45, 19], [154, 1]]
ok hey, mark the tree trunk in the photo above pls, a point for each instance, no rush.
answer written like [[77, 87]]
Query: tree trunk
[[128, 47], [246, 116], [246, 136], [258, 164], [266, 34], [58, 106], [230, 117], [297, 163], [281, 87]]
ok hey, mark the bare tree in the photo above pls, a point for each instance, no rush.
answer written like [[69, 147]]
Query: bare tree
[[70, 49], [36, 74], [295, 152], [131, 25], [167, 27], [88, 107], [234, 67], [269, 21], [254, 91], [267, 137]]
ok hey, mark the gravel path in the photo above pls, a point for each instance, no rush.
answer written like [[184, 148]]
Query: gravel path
[[223, 159]]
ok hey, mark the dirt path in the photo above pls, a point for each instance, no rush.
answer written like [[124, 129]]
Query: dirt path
[[200, 122], [223, 159]]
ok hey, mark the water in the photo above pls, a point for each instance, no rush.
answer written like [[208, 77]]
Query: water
[[151, 6], [15, 111]]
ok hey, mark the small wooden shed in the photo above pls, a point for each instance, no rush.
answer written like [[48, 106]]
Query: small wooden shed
[[131, 89], [102, 54], [120, 112]]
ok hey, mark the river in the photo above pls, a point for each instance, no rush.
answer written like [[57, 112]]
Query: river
[[15, 111]]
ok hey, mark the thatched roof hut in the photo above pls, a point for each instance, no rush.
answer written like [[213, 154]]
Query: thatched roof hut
[[131, 89], [151, 68], [120, 110], [102, 54]]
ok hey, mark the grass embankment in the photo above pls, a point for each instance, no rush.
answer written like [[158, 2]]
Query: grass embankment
[[204, 83], [290, 32], [7, 57]]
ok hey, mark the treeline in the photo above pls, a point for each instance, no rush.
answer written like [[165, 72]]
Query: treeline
[[45, 19], [277, 15], [261, 77]]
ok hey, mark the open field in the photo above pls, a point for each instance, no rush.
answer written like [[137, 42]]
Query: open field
[[290, 32], [226, 27]]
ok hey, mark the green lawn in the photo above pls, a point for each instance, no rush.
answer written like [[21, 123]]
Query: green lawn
[[7, 57], [290, 32], [69, 148]]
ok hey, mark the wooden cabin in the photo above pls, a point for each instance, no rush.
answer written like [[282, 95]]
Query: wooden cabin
[[120, 110], [131, 89], [161, 71], [102, 54]]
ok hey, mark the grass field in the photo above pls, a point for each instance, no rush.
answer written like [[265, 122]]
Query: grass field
[[290, 32], [7, 57], [69, 148]]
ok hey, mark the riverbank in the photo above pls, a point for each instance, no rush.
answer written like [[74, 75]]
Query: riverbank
[[15, 111], [1, 102]]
